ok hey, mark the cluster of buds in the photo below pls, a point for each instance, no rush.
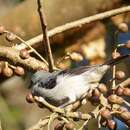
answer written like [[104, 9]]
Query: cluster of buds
[[8, 70], [94, 96], [9, 36], [107, 120]]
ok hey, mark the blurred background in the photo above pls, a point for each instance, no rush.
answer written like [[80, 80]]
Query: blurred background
[[94, 41]]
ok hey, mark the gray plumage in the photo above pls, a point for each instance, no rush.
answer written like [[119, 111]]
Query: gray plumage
[[64, 87]]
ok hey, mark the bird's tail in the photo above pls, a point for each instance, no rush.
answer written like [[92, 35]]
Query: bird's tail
[[116, 60]]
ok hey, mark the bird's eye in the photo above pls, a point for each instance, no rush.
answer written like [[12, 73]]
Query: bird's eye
[[51, 83]]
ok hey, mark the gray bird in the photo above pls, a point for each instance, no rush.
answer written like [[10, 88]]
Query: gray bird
[[62, 88]]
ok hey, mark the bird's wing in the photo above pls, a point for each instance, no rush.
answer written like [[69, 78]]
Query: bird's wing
[[78, 70]]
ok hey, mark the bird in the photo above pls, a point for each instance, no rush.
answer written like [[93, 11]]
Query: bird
[[64, 87]]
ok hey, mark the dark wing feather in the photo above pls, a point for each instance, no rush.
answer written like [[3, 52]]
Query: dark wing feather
[[82, 69], [78, 70]]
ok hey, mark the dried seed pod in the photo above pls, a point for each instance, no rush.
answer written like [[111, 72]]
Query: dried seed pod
[[96, 93], [2, 29], [120, 75], [119, 91], [29, 98], [19, 71], [127, 45], [115, 99], [123, 27], [122, 109], [103, 88], [115, 55], [59, 126], [125, 115], [8, 72], [111, 124], [76, 56], [24, 54], [69, 126], [126, 92], [106, 114], [10, 37]]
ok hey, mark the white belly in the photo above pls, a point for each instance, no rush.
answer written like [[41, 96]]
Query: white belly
[[71, 86]]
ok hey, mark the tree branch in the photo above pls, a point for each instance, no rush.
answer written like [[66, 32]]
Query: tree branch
[[12, 55], [62, 111], [76, 24], [46, 41]]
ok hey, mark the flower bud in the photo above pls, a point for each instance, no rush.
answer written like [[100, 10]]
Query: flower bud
[[59, 126], [122, 109], [125, 115], [115, 55], [24, 54], [126, 92], [127, 45], [19, 71], [103, 88], [76, 56], [120, 75], [119, 91], [111, 124], [84, 101], [69, 126], [123, 27], [106, 114], [10, 37], [29, 98], [8, 72], [2, 29], [115, 99], [96, 93]]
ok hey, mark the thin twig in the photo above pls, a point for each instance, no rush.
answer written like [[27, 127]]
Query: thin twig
[[95, 112], [39, 125], [62, 111], [125, 83], [114, 73], [46, 41], [77, 24], [52, 118]]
